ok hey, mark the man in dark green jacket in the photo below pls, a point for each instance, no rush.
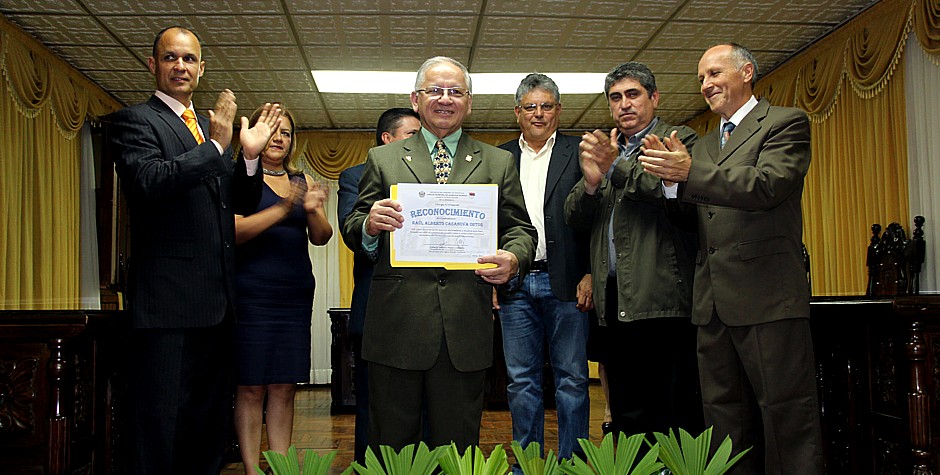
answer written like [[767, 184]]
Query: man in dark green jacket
[[642, 265]]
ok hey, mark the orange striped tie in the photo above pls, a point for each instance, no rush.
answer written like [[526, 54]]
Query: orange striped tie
[[190, 119]]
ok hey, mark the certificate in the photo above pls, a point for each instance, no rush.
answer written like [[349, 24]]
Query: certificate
[[446, 226]]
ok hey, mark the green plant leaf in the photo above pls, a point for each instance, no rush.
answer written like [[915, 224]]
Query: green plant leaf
[[473, 462], [608, 460], [282, 464], [314, 464], [691, 457]]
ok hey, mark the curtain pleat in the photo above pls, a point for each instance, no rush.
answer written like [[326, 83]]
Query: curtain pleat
[[43, 104]]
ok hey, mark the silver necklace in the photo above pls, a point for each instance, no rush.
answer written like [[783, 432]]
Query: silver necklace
[[274, 172]]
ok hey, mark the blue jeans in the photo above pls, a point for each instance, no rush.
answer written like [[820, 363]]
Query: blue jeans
[[529, 317]]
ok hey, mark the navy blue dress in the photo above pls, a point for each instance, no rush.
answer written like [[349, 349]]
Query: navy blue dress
[[274, 284]]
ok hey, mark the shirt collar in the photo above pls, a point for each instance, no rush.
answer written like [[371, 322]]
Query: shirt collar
[[548, 143], [450, 142], [629, 144], [174, 104], [739, 115]]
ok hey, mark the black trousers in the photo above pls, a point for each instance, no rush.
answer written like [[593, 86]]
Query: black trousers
[[181, 388], [652, 373]]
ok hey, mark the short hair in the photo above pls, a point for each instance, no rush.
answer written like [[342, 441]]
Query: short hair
[[156, 40], [741, 56], [537, 81], [289, 161], [635, 70], [431, 62], [390, 121]]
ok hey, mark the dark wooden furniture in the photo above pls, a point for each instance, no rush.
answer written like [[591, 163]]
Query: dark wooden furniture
[[894, 261], [61, 392], [878, 373], [342, 363]]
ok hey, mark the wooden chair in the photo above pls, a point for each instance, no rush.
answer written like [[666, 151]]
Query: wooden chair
[[894, 261]]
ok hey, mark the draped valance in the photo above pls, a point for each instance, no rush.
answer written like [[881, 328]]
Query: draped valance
[[35, 79]]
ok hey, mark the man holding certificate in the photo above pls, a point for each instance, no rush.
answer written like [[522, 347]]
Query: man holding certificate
[[429, 328]]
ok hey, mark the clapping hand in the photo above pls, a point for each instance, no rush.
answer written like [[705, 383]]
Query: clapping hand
[[668, 158], [221, 117], [598, 152], [255, 139], [316, 196]]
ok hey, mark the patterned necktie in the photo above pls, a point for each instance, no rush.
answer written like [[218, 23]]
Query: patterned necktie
[[190, 119], [726, 133], [442, 163]]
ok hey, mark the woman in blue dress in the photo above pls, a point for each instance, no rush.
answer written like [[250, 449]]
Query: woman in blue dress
[[274, 284]]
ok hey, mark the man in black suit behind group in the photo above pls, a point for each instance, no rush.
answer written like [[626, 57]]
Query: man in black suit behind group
[[181, 193]]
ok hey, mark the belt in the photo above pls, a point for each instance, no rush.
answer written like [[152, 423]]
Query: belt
[[539, 266]]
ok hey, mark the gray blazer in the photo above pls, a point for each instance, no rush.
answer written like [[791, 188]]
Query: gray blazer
[[750, 263]]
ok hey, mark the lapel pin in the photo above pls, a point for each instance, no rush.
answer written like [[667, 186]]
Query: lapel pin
[[408, 157], [468, 158]]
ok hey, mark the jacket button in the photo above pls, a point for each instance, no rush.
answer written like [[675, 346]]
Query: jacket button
[[712, 250], [442, 281], [710, 214]]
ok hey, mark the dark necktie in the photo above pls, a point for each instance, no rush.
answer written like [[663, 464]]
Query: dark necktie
[[726, 133], [442, 163]]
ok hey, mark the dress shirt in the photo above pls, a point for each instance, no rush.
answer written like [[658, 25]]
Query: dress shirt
[[672, 192], [251, 166], [533, 172], [371, 243]]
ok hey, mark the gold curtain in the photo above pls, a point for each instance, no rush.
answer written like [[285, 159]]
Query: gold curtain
[[852, 86], [329, 153], [43, 104]]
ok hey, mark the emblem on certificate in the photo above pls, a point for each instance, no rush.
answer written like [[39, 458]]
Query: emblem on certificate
[[446, 226]]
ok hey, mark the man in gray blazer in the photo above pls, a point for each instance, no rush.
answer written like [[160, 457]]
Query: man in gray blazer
[[751, 298], [182, 187], [552, 303], [428, 330], [641, 263]]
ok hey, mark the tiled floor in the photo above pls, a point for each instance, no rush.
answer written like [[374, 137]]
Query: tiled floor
[[316, 429]]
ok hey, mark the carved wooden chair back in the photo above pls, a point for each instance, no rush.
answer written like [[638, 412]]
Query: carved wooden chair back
[[894, 261]]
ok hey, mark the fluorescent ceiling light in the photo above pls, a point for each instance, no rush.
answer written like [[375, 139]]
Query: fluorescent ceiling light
[[396, 82]]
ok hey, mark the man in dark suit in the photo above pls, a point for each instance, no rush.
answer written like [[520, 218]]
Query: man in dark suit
[[394, 124], [755, 349], [641, 263], [429, 331], [181, 192], [550, 304]]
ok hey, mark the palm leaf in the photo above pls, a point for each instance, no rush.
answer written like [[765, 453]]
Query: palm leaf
[[691, 456], [409, 461], [606, 460], [473, 461]]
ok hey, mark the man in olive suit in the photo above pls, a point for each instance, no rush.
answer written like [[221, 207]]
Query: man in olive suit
[[429, 331], [750, 298]]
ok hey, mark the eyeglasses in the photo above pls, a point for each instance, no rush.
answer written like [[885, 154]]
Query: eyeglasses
[[437, 92], [545, 106]]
